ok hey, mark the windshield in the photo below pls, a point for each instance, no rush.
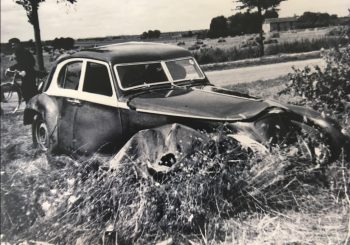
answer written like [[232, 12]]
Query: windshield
[[185, 69], [136, 75], [151, 73]]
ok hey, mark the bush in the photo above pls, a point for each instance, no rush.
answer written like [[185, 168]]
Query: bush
[[328, 89], [209, 55], [306, 45]]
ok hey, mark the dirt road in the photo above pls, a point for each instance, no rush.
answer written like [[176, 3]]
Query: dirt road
[[254, 73]]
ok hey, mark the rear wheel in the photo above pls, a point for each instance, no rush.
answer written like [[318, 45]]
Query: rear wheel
[[41, 136]]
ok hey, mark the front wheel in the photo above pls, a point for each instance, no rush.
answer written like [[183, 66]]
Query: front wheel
[[41, 136]]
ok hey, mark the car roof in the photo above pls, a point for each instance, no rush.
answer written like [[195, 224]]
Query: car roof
[[131, 52]]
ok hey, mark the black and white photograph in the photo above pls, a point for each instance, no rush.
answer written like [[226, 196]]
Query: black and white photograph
[[165, 122]]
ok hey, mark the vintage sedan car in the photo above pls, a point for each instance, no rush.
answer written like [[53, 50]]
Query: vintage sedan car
[[97, 99]]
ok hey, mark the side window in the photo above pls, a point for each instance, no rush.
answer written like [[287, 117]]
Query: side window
[[97, 79], [69, 75]]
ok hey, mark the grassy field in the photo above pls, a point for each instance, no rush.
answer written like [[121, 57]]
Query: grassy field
[[289, 36], [61, 200]]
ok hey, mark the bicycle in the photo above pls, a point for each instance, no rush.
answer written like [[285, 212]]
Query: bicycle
[[11, 92]]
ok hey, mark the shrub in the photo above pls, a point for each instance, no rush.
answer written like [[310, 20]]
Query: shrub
[[325, 89], [210, 55], [306, 45]]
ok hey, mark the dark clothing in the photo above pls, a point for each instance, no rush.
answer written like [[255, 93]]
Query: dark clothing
[[26, 62]]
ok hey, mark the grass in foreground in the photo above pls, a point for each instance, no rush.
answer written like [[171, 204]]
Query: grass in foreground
[[216, 197]]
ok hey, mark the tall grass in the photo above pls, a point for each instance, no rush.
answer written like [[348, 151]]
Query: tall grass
[[61, 200]]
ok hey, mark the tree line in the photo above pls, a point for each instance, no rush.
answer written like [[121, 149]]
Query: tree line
[[238, 24], [248, 23]]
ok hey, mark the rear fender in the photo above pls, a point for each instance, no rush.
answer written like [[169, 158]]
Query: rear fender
[[47, 108], [42, 105]]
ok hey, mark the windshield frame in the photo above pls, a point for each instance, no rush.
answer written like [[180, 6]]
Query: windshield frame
[[165, 69]]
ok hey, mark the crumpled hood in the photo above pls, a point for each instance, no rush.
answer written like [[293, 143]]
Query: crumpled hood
[[198, 103]]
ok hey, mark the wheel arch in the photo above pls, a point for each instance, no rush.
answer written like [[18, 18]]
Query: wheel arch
[[47, 108], [44, 106]]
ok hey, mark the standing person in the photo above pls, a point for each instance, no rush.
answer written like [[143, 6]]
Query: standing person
[[25, 67]]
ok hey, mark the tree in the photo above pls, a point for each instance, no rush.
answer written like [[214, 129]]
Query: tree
[[63, 43], [31, 7], [312, 20], [218, 27], [271, 14], [144, 35], [156, 33], [243, 23], [262, 7], [150, 34]]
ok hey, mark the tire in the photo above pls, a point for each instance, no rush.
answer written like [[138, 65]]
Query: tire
[[41, 135]]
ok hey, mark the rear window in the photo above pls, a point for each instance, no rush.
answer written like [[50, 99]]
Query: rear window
[[97, 79], [69, 75]]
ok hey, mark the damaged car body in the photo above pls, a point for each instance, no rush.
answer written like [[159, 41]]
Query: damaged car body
[[97, 99]]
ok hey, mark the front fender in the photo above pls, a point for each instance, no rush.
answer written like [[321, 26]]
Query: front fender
[[329, 126]]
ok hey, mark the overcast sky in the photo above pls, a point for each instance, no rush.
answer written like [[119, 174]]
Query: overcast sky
[[86, 18]]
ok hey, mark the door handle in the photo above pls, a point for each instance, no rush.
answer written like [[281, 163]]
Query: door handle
[[74, 101]]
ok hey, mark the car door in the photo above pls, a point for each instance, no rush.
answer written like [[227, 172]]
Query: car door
[[65, 90], [97, 125]]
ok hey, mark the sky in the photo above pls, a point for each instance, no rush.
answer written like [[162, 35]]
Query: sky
[[123, 17]]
